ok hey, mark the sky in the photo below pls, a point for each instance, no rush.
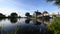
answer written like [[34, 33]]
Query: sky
[[23, 6]]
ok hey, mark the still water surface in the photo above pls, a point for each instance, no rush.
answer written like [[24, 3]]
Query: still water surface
[[22, 26]]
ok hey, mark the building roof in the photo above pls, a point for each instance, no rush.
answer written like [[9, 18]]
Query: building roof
[[38, 13], [45, 12]]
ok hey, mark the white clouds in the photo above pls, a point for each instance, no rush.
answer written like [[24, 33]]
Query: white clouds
[[9, 6], [21, 7], [9, 11]]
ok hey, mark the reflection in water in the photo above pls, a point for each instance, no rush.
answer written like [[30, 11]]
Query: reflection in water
[[33, 27], [2, 19], [37, 23], [46, 18], [13, 20], [0, 30], [38, 28], [27, 21]]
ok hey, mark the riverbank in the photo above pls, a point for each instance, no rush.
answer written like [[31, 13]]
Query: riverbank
[[55, 26]]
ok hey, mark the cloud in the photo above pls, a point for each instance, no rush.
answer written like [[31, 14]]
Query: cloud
[[23, 6], [9, 11]]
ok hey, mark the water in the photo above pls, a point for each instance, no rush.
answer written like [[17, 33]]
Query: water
[[22, 26]]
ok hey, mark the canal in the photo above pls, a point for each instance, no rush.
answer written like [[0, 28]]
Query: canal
[[22, 26]]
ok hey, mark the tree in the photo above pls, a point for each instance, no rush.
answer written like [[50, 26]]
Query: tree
[[56, 2], [19, 16], [14, 15], [27, 14], [1, 15]]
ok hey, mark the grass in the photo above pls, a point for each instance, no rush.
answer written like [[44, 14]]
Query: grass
[[55, 26]]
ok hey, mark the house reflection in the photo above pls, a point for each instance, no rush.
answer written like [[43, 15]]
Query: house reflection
[[13, 20]]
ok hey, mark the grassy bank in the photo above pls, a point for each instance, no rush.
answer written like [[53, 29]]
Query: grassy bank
[[54, 27]]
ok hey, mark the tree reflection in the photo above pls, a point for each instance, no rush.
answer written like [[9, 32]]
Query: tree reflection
[[27, 21], [13, 20], [0, 30], [37, 23], [2, 19]]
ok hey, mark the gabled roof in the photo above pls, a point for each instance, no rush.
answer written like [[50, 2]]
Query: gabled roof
[[38, 13]]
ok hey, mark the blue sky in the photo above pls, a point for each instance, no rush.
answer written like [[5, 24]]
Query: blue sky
[[23, 6]]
